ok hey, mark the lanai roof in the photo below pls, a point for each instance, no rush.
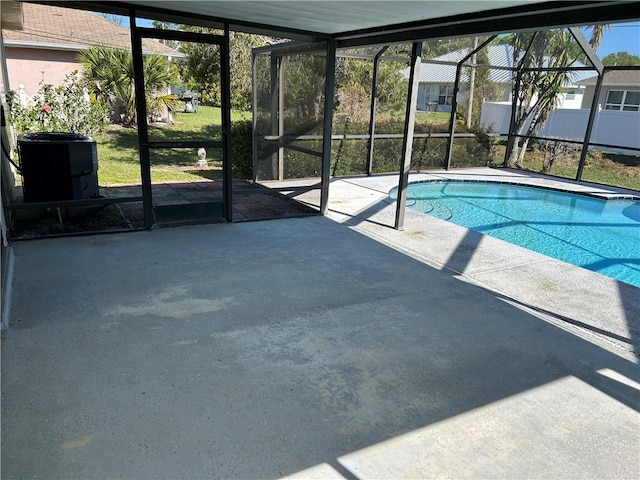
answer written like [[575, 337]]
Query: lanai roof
[[354, 23], [498, 55]]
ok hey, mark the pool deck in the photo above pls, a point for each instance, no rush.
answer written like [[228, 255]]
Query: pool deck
[[599, 305], [317, 348]]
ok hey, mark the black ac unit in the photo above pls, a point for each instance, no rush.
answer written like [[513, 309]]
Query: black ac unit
[[58, 166]]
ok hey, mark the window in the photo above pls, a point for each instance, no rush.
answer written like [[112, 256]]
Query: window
[[446, 95], [623, 100]]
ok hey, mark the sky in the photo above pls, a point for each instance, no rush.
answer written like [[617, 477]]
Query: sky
[[621, 37]]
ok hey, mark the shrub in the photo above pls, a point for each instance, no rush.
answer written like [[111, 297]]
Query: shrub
[[241, 146], [349, 156], [65, 108]]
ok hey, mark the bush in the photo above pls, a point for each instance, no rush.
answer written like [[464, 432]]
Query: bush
[[349, 157], [241, 147], [65, 108]]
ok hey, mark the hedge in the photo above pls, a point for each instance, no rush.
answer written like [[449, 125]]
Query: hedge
[[349, 156]]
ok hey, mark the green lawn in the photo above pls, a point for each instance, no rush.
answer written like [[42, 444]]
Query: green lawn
[[118, 149], [119, 164], [438, 118], [605, 168]]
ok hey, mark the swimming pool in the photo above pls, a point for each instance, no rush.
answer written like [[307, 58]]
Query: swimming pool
[[600, 235]]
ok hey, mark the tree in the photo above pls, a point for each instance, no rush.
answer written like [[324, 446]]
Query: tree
[[200, 69], [109, 74], [117, 19], [354, 82], [167, 26], [539, 89], [621, 59], [481, 87]]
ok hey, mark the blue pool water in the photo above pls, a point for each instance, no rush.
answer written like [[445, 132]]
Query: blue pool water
[[600, 235]]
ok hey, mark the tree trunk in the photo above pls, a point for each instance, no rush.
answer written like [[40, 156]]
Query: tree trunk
[[519, 162], [521, 153], [512, 161], [515, 156]]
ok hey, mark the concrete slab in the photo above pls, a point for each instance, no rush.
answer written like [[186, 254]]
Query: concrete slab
[[298, 347], [601, 306]]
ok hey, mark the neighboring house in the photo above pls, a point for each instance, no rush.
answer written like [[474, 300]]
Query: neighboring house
[[620, 91], [435, 91], [46, 49], [616, 123]]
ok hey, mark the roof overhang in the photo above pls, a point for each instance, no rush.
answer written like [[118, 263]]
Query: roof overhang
[[74, 47], [11, 15], [353, 22]]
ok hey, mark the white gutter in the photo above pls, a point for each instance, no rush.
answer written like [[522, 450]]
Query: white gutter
[[74, 47]]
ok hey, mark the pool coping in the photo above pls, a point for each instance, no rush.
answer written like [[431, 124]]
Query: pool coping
[[598, 195]]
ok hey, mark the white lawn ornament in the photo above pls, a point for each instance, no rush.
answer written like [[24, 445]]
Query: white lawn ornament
[[202, 158]]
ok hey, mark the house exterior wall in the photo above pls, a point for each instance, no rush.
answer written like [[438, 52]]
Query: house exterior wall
[[31, 66], [604, 91], [429, 93], [587, 98], [572, 100]]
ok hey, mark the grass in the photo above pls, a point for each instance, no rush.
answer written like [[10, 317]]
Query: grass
[[118, 149], [605, 168], [436, 118], [119, 164]]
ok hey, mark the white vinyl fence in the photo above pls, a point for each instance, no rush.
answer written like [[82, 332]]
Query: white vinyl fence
[[611, 127]]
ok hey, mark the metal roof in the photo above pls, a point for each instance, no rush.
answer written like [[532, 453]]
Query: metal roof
[[354, 22], [498, 55]]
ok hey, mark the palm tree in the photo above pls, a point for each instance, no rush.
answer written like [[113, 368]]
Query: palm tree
[[109, 73], [539, 90]]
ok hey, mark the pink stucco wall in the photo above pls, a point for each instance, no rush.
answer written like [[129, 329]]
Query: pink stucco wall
[[30, 66]]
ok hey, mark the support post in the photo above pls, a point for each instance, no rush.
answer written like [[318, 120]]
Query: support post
[[599, 66], [592, 116], [327, 130], [407, 139], [254, 110], [225, 86], [141, 116], [281, 72], [276, 62], [373, 108]]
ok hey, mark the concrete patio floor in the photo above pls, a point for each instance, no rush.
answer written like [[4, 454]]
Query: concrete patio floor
[[316, 348]]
